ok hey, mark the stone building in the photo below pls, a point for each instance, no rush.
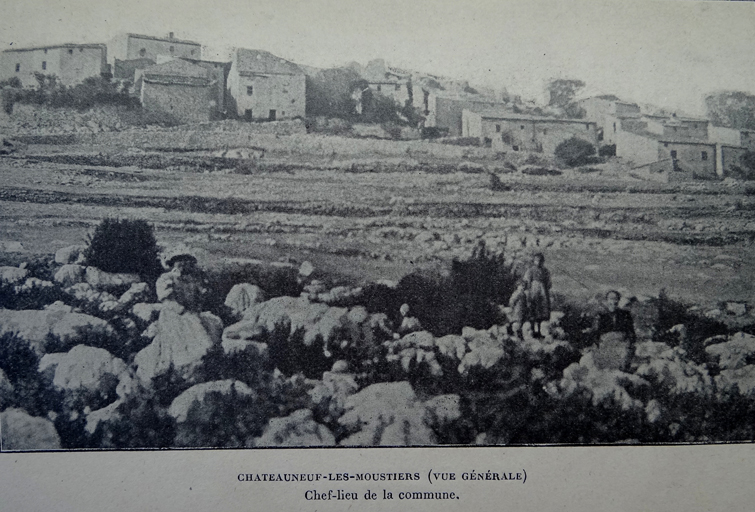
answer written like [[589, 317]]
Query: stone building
[[185, 92], [70, 63], [444, 110], [611, 114], [262, 86], [506, 130], [131, 52]]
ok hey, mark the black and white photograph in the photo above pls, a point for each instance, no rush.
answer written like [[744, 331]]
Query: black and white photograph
[[332, 224]]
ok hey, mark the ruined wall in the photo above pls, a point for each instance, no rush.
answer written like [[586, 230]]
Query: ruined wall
[[698, 160]]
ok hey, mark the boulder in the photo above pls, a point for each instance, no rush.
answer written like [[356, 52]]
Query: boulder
[[137, 293], [35, 326], [181, 341], [736, 308], [743, 378], [69, 275], [70, 254], [146, 312], [88, 372], [306, 269], [104, 281], [735, 353], [198, 396], [33, 282], [331, 393], [243, 296], [20, 431], [13, 275], [296, 429]]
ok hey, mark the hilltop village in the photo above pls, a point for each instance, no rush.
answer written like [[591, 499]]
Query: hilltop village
[[169, 77]]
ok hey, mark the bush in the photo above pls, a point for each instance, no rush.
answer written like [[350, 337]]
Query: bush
[[575, 151], [123, 245], [93, 91], [607, 150]]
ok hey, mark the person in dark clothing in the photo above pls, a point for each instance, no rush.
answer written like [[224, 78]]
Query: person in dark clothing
[[615, 319]]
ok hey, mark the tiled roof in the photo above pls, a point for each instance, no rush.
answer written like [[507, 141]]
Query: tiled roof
[[98, 46], [507, 115], [177, 71], [260, 62], [166, 39]]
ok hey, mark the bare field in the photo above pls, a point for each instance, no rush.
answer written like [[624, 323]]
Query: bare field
[[372, 217]]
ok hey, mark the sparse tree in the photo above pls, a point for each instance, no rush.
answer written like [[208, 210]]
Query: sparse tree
[[732, 109], [561, 94]]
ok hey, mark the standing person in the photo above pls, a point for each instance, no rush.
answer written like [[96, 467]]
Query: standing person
[[615, 330], [538, 280], [519, 305], [182, 284]]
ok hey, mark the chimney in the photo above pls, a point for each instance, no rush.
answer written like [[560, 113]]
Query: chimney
[[170, 35]]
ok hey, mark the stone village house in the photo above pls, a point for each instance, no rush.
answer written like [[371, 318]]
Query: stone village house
[[131, 52], [186, 92], [70, 63], [262, 86], [507, 131]]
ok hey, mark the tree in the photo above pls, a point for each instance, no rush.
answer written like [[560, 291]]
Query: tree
[[329, 93], [575, 151], [561, 94], [732, 109], [562, 91]]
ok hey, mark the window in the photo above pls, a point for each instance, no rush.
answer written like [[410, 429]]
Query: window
[[379, 87], [614, 127], [172, 49], [45, 50], [704, 155], [398, 87], [18, 68], [293, 101], [515, 148], [70, 52], [545, 131], [673, 154], [665, 144], [248, 114], [44, 64], [587, 127], [498, 128], [142, 52], [249, 90], [521, 127]]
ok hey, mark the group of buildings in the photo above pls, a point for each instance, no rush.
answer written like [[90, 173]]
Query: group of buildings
[[170, 76]]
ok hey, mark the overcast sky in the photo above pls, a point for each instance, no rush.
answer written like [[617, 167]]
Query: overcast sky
[[667, 52]]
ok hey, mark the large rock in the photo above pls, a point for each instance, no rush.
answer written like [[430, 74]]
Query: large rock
[[180, 343], [88, 372], [204, 396], [331, 393], [13, 275], [387, 414], [35, 326], [297, 429], [315, 320], [101, 280], [243, 296], [69, 275], [137, 293], [70, 254], [20, 431], [147, 312], [734, 353]]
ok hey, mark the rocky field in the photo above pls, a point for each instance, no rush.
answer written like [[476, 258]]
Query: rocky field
[[308, 357]]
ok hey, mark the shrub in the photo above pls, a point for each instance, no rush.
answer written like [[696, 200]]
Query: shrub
[[31, 391], [575, 151], [607, 150], [123, 245]]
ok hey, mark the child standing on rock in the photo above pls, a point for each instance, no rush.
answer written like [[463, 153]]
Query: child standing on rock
[[538, 281], [519, 304]]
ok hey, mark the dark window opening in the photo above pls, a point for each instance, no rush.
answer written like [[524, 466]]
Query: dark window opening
[[488, 142], [172, 49], [515, 148], [545, 131], [587, 127], [18, 68], [379, 88], [398, 87], [293, 101], [45, 50], [704, 155], [44, 64], [271, 115], [498, 128], [673, 154], [142, 52], [70, 52], [249, 90], [521, 127], [614, 127], [248, 114]]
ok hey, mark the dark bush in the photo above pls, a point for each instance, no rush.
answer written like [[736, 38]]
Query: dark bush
[[607, 150], [124, 245], [575, 151], [32, 392], [93, 91]]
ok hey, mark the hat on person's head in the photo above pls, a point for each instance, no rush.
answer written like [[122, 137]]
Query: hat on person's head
[[177, 253]]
